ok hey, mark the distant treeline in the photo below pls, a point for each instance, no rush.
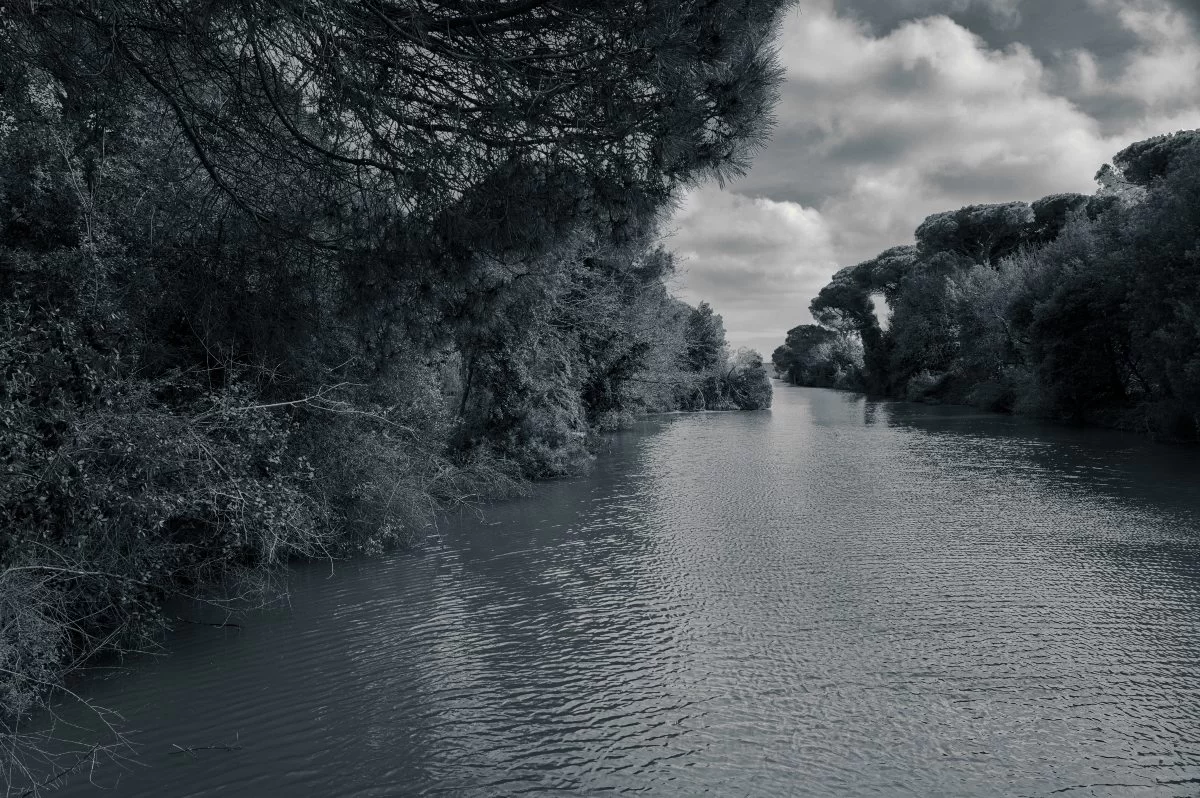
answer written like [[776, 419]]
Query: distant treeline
[[1074, 307], [284, 279]]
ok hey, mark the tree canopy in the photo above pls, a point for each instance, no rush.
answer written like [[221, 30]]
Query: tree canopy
[[1078, 307], [377, 105], [1143, 162], [980, 233]]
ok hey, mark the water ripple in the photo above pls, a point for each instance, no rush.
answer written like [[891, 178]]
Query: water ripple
[[837, 598]]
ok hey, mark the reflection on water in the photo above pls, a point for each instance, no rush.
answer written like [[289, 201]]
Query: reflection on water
[[834, 598]]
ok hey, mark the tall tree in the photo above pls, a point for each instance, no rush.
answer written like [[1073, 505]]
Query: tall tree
[[705, 339]]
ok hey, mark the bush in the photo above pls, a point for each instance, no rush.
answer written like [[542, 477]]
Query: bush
[[1172, 421], [924, 385], [993, 396], [748, 385]]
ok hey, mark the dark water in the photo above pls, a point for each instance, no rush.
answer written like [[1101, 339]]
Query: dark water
[[834, 598]]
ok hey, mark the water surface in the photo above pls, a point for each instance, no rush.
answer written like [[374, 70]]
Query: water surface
[[833, 598]]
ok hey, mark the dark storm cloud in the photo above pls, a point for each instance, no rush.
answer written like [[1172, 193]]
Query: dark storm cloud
[[884, 17], [1189, 7], [1113, 113], [994, 181], [873, 146], [1053, 31], [1048, 27]]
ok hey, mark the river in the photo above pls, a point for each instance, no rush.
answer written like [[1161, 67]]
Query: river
[[836, 597]]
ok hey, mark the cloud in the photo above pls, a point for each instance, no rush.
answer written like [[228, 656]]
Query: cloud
[[1000, 14], [1048, 29], [879, 131], [757, 261], [1155, 89], [1189, 7]]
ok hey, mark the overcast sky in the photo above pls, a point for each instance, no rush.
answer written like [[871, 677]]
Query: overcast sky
[[895, 109]]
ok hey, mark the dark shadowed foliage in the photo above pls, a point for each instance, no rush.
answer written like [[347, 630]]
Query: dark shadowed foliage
[[281, 282]]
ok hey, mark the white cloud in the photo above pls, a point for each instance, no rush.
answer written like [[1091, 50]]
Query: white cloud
[[951, 122], [757, 261]]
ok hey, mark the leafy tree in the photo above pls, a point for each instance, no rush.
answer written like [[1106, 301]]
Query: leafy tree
[[821, 357], [1051, 214], [794, 360], [1074, 307], [748, 385], [421, 103], [1145, 161], [705, 339], [845, 304], [889, 268], [924, 335], [979, 233], [1154, 260]]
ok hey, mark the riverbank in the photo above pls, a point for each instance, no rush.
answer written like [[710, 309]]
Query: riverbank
[[250, 316], [1140, 421]]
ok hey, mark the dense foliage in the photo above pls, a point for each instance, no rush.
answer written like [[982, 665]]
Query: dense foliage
[[1074, 307], [283, 278]]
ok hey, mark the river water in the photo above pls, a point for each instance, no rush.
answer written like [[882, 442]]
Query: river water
[[833, 598]]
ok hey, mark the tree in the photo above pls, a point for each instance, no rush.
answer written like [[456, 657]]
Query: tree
[[820, 357], [1074, 307], [1153, 257], [285, 277], [888, 269], [979, 233], [1051, 214], [846, 306], [794, 359], [748, 385], [1143, 162], [845, 303], [705, 339]]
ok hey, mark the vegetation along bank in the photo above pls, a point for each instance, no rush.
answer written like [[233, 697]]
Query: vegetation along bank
[[1074, 307], [281, 284]]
